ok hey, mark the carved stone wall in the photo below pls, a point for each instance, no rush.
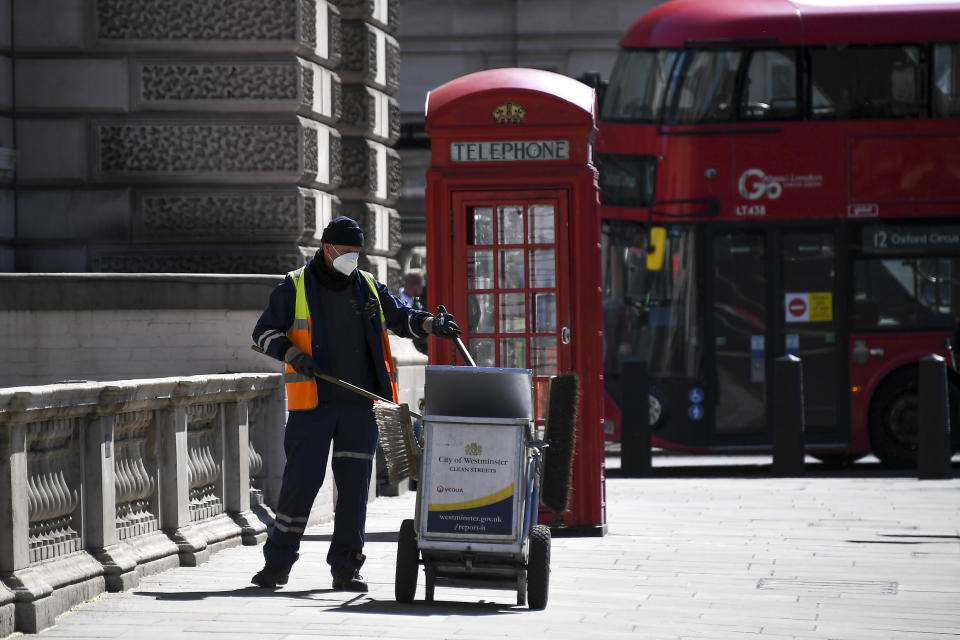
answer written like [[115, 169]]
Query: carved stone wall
[[184, 136]]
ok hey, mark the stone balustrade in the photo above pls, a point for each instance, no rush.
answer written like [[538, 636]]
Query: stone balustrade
[[102, 483]]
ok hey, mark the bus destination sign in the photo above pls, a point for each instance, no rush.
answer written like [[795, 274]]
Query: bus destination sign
[[910, 239], [510, 151]]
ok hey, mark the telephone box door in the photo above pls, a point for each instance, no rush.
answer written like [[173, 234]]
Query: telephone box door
[[510, 253]]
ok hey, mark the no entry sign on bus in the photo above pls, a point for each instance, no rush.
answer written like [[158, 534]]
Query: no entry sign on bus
[[813, 306]]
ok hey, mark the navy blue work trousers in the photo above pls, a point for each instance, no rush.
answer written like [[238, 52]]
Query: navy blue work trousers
[[353, 431]]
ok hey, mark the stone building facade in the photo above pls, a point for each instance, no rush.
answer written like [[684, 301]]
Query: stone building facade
[[195, 137]]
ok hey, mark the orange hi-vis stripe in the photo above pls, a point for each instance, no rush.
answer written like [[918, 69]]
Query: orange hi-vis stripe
[[302, 391]]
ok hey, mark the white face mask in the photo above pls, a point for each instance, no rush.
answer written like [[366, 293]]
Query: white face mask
[[346, 263]]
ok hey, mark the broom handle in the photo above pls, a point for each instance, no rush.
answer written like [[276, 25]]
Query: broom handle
[[351, 387], [456, 339]]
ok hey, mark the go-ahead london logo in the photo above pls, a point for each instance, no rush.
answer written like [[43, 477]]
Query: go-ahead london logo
[[754, 184]]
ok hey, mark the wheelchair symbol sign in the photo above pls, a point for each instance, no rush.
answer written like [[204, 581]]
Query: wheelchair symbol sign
[[695, 395]]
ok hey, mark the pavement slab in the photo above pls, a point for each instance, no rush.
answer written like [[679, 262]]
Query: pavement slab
[[729, 555]]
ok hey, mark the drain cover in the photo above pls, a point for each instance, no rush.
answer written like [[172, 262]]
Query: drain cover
[[828, 586]]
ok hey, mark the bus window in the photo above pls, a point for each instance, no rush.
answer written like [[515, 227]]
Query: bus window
[[626, 180], [770, 92], [866, 82], [912, 293], [946, 80], [649, 314], [637, 83], [702, 87]]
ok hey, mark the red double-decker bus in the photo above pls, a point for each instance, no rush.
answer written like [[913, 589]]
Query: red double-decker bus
[[783, 177]]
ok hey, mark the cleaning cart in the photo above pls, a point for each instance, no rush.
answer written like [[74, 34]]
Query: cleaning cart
[[478, 489]]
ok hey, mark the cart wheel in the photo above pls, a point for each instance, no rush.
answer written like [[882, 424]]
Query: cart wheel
[[431, 584], [408, 560], [538, 567]]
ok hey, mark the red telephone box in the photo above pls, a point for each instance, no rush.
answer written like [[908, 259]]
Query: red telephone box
[[513, 232]]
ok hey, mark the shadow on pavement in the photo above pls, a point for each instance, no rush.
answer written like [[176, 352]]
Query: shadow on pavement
[[244, 592], [435, 608], [358, 603]]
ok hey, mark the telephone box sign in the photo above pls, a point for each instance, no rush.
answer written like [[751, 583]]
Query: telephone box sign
[[510, 151]]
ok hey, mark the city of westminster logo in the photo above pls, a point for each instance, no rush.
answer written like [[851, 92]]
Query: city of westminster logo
[[509, 113]]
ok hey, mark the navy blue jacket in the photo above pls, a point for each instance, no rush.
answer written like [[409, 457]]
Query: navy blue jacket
[[270, 331]]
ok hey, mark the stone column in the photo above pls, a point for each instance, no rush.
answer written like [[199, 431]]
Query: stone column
[[236, 473], [174, 486], [7, 151], [269, 443], [33, 608], [370, 125], [100, 504]]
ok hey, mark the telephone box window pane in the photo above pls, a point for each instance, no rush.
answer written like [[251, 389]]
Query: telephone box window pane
[[544, 307], [479, 269], [483, 351], [510, 221], [543, 356], [513, 353], [513, 313], [511, 269], [480, 228], [542, 268], [480, 313], [540, 217]]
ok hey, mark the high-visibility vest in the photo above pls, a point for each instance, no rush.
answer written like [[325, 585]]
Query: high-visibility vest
[[301, 390]]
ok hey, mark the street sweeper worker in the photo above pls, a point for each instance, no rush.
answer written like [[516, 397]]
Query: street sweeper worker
[[330, 317]]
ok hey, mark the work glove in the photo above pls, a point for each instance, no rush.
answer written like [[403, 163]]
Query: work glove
[[302, 363], [444, 325]]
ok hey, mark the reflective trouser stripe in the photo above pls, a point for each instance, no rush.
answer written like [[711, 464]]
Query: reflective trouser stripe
[[353, 454], [288, 519], [279, 526]]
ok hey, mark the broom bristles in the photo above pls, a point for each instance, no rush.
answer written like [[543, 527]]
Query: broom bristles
[[561, 435], [399, 448]]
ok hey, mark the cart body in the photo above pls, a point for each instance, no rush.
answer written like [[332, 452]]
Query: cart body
[[478, 489]]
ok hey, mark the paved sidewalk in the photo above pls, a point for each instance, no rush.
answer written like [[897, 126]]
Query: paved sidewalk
[[716, 557]]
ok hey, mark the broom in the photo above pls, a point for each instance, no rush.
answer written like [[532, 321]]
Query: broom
[[561, 436], [400, 449]]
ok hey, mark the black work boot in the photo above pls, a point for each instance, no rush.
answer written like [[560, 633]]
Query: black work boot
[[271, 576], [349, 579], [347, 576]]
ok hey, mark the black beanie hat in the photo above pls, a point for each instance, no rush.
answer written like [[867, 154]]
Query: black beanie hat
[[343, 230]]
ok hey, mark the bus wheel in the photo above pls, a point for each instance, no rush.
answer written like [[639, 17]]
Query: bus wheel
[[893, 419], [894, 416]]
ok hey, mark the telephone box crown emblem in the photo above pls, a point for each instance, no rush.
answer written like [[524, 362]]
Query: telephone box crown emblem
[[509, 113]]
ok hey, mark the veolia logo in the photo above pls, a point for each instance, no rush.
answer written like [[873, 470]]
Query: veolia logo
[[754, 184], [443, 489]]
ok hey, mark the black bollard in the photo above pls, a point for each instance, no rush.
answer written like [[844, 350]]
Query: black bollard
[[788, 446], [933, 428], [635, 420]]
